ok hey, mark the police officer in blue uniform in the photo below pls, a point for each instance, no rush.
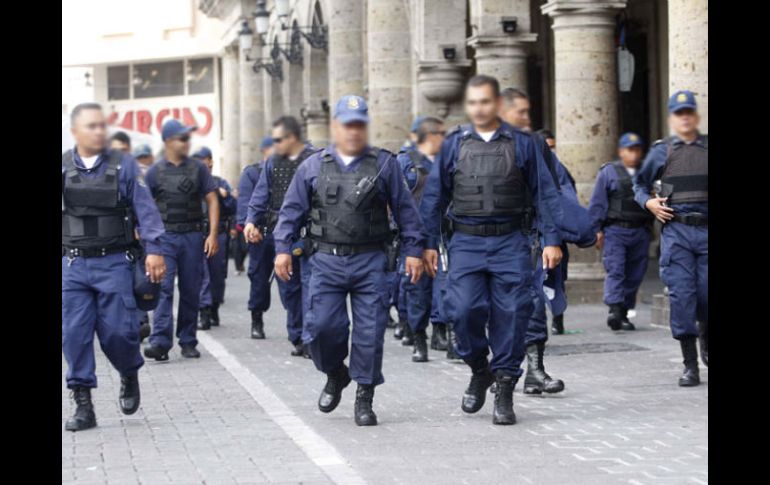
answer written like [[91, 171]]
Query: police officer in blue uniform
[[144, 159], [346, 189], [623, 231], [289, 151], [491, 173], [212, 293], [515, 111], [416, 164], [681, 163], [101, 197], [260, 267], [180, 185]]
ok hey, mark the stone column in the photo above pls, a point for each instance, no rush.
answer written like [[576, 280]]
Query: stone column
[[688, 61], [346, 49], [317, 126], [499, 54], [389, 73], [585, 88], [231, 107], [252, 111]]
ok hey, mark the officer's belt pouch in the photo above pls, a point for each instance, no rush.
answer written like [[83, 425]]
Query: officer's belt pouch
[[666, 190]]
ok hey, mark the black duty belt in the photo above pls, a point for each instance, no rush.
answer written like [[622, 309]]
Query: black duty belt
[[183, 226], [692, 219], [346, 249], [627, 224], [492, 229], [92, 252]]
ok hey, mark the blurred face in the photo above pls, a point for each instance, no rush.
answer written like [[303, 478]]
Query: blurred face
[[433, 141], [146, 161], [209, 162], [551, 143], [179, 145], [684, 122], [282, 142], [631, 156], [516, 113], [351, 138], [90, 131], [120, 146], [482, 106]]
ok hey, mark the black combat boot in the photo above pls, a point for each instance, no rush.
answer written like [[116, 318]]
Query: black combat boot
[[144, 328], [204, 323], [363, 408], [408, 338], [420, 352], [398, 333], [155, 352], [129, 394], [537, 379], [84, 416], [476, 394], [332, 392], [557, 325], [299, 348], [503, 413], [703, 339], [438, 339], [625, 323], [214, 317], [615, 317], [257, 325], [451, 353], [190, 352], [691, 375], [306, 351]]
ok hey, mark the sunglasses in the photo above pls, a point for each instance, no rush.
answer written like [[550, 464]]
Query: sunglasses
[[93, 126], [277, 140], [183, 138]]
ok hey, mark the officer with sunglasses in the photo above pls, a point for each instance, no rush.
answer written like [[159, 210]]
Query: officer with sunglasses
[[179, 184]]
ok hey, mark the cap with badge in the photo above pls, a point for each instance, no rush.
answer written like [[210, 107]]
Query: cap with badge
[[172, 128], [682, 100], [203, 152], [267, 142], [351, 109], [146, 293], [142, 151], [629, 140]]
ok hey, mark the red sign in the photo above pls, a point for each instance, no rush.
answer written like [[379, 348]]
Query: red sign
[[142, 120]]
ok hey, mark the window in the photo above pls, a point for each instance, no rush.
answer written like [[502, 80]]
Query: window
[[117, 83], [158, 79], [200, 76]]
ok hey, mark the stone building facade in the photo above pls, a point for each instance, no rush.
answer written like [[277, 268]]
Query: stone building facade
[[412, 57]]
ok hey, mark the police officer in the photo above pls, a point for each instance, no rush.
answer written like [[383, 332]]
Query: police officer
[[120, 141], [259, 274], [485, 170], [144, 159], [623, 231], [515, 111], [289, 152], [416, 164], [212, 293], [681, 163], [346, 189], [179, 185], [101, 196]]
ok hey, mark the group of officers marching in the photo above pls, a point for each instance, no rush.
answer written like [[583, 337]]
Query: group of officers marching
[[463, 230]]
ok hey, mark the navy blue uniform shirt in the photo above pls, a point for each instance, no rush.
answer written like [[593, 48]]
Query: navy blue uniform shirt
[[391, 188], [651, 170], [246, 186], [438, 189], [406, 164], [131, 188]]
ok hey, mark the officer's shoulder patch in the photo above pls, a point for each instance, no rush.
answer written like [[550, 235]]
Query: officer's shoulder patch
[[659, 141]]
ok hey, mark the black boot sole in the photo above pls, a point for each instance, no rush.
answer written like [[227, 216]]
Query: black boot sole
[[504, 421], [369, 422], [158, 358], [419, 358], [688, 382], [337, 398], [80, 427]]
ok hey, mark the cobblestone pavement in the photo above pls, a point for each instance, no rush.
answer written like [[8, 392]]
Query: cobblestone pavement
[[246, 413]]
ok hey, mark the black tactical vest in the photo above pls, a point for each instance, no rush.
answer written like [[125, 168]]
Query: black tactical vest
[[487, 181], [178, 196], [335, 221], [622, 205], [94, 215], [422, 174], [281, 174], [687, 171]]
